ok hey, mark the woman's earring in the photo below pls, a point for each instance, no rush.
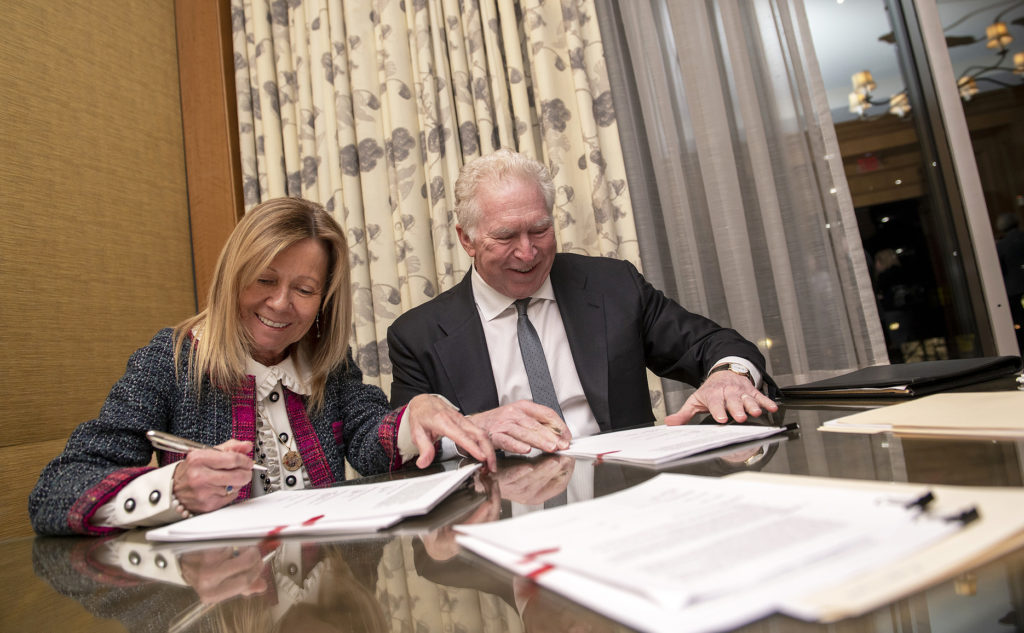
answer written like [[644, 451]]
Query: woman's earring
[[316, 322]]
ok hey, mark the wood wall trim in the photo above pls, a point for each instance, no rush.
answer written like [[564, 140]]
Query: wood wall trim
[[210, 127]]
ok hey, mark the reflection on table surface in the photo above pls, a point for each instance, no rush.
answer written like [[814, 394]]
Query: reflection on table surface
[[414, 577]]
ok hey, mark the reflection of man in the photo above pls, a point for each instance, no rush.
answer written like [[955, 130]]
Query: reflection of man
[[598, 322]]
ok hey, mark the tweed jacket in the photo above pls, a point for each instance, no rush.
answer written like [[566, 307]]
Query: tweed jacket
[[104, 454]]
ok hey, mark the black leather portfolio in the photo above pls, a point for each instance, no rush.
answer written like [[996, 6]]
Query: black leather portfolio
[[908, 380]]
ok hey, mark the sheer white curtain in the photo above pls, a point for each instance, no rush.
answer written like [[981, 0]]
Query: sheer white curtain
[[742, 208]]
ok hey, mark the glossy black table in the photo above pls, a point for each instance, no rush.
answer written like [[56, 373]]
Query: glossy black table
[[415, 578]]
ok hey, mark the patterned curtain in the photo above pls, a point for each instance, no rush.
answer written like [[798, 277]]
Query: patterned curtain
[[371, 107]]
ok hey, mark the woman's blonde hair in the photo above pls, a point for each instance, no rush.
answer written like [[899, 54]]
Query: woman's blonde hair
[[222, 345]]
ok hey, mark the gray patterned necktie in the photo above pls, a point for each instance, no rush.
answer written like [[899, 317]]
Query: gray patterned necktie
[[541, 387]]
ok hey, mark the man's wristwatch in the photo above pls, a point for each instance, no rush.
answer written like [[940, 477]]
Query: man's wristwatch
[[735, 368]]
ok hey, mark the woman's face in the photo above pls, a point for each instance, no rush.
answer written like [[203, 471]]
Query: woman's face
[[280, 306]]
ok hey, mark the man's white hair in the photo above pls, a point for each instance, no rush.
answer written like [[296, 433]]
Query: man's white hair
[[502, 165]]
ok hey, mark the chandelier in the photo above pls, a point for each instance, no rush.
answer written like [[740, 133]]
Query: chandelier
[[998, 38]]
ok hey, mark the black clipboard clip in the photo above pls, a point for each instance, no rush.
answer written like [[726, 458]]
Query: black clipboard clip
[[969, 515]]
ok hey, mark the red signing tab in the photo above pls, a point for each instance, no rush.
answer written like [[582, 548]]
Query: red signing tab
[[546, 567], [313, 520], [533, 555]]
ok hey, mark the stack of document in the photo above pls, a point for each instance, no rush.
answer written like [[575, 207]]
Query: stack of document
[[657, 445], [683, 553], [991, 415], [338, 510]]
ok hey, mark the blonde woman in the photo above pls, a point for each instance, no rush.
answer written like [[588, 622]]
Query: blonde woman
[[265, 374]]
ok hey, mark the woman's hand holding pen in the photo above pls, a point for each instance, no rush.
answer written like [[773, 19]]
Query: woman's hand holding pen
[[208, 479]]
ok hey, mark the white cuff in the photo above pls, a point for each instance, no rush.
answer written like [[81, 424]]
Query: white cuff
[[406, 447], [145, 501]]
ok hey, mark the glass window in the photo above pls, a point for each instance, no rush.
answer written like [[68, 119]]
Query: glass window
[[898, 165]]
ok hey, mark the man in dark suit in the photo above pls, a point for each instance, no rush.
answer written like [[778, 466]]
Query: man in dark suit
[[599, 322]]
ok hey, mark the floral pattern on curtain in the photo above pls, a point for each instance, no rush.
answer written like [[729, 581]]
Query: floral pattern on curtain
[[413, 603], [371, 107]]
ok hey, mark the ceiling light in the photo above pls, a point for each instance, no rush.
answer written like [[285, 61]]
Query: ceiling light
[[998, 36], [863, 83], [968, 87], [899, 104]]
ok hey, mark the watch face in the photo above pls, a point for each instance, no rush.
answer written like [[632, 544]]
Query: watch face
[[739, 369]]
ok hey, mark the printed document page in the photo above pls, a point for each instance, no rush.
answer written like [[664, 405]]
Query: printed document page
[[653, 445], [998, 531], [341, 509], [697, 550]]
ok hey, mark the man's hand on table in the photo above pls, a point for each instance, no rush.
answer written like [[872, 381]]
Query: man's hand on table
[[524, 425], [724, 394]]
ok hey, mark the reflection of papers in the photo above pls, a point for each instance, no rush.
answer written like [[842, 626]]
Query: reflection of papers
[[682, 553], [993, 414], [338, 510], [653, 445]]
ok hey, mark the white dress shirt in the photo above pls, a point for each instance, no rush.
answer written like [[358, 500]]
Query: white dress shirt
[[500, 320]]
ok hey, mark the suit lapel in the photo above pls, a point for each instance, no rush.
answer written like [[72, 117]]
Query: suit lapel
[[463, 352], [582, 310]]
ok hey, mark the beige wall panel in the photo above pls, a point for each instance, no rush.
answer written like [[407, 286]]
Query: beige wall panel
[[95, 253], [19, 465]]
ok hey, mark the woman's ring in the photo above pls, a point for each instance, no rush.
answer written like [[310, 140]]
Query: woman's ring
[[228, 488]]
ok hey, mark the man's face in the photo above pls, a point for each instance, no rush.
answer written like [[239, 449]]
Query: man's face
[[514, 242]]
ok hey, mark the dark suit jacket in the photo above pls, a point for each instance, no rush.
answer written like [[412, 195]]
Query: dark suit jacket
[[617, 325]]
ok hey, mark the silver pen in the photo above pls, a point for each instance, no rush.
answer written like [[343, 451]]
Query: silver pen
[[167, 442]]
